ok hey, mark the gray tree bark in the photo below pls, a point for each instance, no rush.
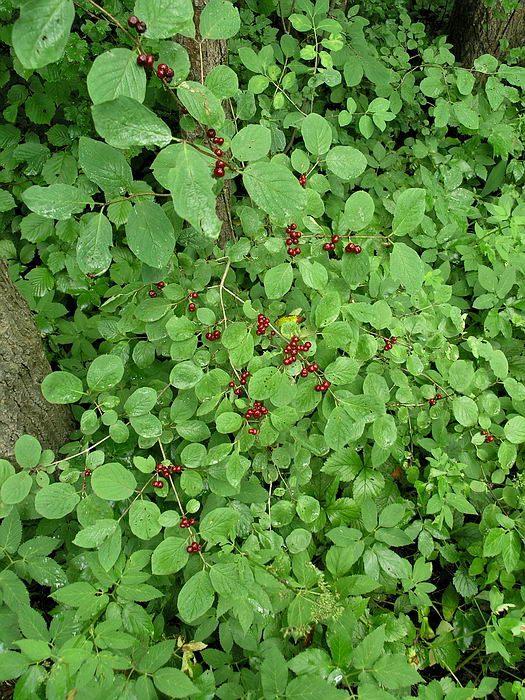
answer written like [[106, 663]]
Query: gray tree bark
[[475, 30], [205, 55], [23, 365]]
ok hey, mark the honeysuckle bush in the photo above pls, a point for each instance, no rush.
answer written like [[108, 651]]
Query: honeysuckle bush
[[357, 513]]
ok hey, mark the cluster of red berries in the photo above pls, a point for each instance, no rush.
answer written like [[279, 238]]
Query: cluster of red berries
[[135, 23], [244, 377], [331, 245], [310, 368], [213, 335], [146, 60], [193, 548], [353, 248], [488, 436], [389, 344], [187, 522], [87, 472], [164, 72], [191, 305], [255, 411], [293, 348], [262, 324], [436, 398], [292, 239], [302, 179], [220, 165], [161, 469], [323, 386]]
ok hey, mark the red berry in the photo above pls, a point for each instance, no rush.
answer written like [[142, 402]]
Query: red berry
[[177, 469], [242, 381], [152, 293], [307, 345], [318, 387], [141, 27], [253, 431], [315, 367], [231, 385], [292, 226], [184, 523], [432, 402], [157, 484], [297, 251], [304, 373], [160, 285], [218, 140], [484, 432], [327, 246], [150, 60], [220, 164], [257, 413], [210, 133], [357, 249], [272, 333], [161, 70], [159, 466], [219, 172], [196, 547], [192, 307], [289, 241], [209, 336], [194, 295], [216, 335], [387, 346], [169, 74], [350, 247], [218, 152], [238, 391], [133, 21], [245, 374], [291, 252], [192, 521], [142, 59], [87, 472], [189, 549], [393, 340], [489, 438], [438, 396], [336, 239]]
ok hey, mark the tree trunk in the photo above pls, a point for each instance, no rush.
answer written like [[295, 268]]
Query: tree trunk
[[205, 55], [475, 29], [23, 365]]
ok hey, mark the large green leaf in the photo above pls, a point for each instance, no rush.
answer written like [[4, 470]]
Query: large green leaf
[[41, 32], [275, 190], [104, 165], [201, 103], [406, 267], [115, 73], [150, 234], [195, 597], [56, 201], [409, 212], [124, 122], [93, 244], [219, 20], [165, 18], [317, 134]]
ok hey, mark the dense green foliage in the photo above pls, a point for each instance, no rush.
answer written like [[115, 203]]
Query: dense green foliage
[[361, 541]]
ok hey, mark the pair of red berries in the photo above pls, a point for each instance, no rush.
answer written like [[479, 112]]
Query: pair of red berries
[[324, 386], [253, 431], [187, 522], [157, 484], [389, 343], [302, 179], [218, 140], [172, 469], [146, 60], [331, 245], [135, 23], [488, 436], [193, 548], [310, 368], [191, 305], [219, 171], [213, 335], [434, 401], [164, 72], [262, 324], [353, 248]]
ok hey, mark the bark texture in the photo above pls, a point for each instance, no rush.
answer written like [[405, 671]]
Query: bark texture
[[205, 55], [475, 30], [23, 365]]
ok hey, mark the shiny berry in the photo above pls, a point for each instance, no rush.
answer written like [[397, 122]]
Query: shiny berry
[[194, 295], [218, 140], [169, 74], [484, 432], [150, 60], [87, 472], [160, 285], [157, 484], [336, 239], [318, 387], [327, 246], [432, 402], [161, 70], [177, 469], [219, 172], [242, 381], [438, 396], [210, 133], [357, 249], [231, 385], [238, 391], [387, 346], [393, 340], [216, 335], [141, 27], [152, 293], [304, 373], [159, 467], [253, 431], [133, 21], [218, 152], [192, 307], [142, 59], [220, 164], [489, 438]]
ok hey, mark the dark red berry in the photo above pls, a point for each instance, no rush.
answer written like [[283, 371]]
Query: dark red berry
[[307, 345], [192, 307], [220, 164], [159, 467], [238, 391], [133, 21], [350, 247], [327, 246], [216, 335], [150, 60], [218, 152], [242, 381], [189, 549], [210, 133], [161, 70], [157, 484], [231, 385], [160, 285], [304, 373], [152, 293], [177, 469], [219, 172], [141, 27], [432, 402], [218, 140], [438, 396], [336, 239], [142, 59], [387, 346], [393, 340], [169, 74], [318, 387], [194, 295], [253, 431], [87, 472], [489, 438], [357, 249], [484, 432]]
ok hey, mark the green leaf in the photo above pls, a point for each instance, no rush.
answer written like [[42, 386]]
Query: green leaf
[[113, 482], [278, 280], [409, 212], [314, 274], [219, 525], [164, 18], [358, 213], [56, 201], [223, 82], [141, 401], [346, 162], [41, 32], [104, 165], [27, 451], [515, 430], [465, 411], [264, 383], [169, 556], [173, 682], [16, 487], [56, 501], [150, 234], [466, 115], [252, 142], [185, 375], [94, 535], [461, 375], [187, 174], [116, 73], [317, 134], [406, 267], [12, 665], [394, 671], [274, 189], [385, 431], [93, 244], [195, 597], [219, 20], [311, 687], [228, 422], [201, 103], [62, 387], [105, 372], [124, 122]]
